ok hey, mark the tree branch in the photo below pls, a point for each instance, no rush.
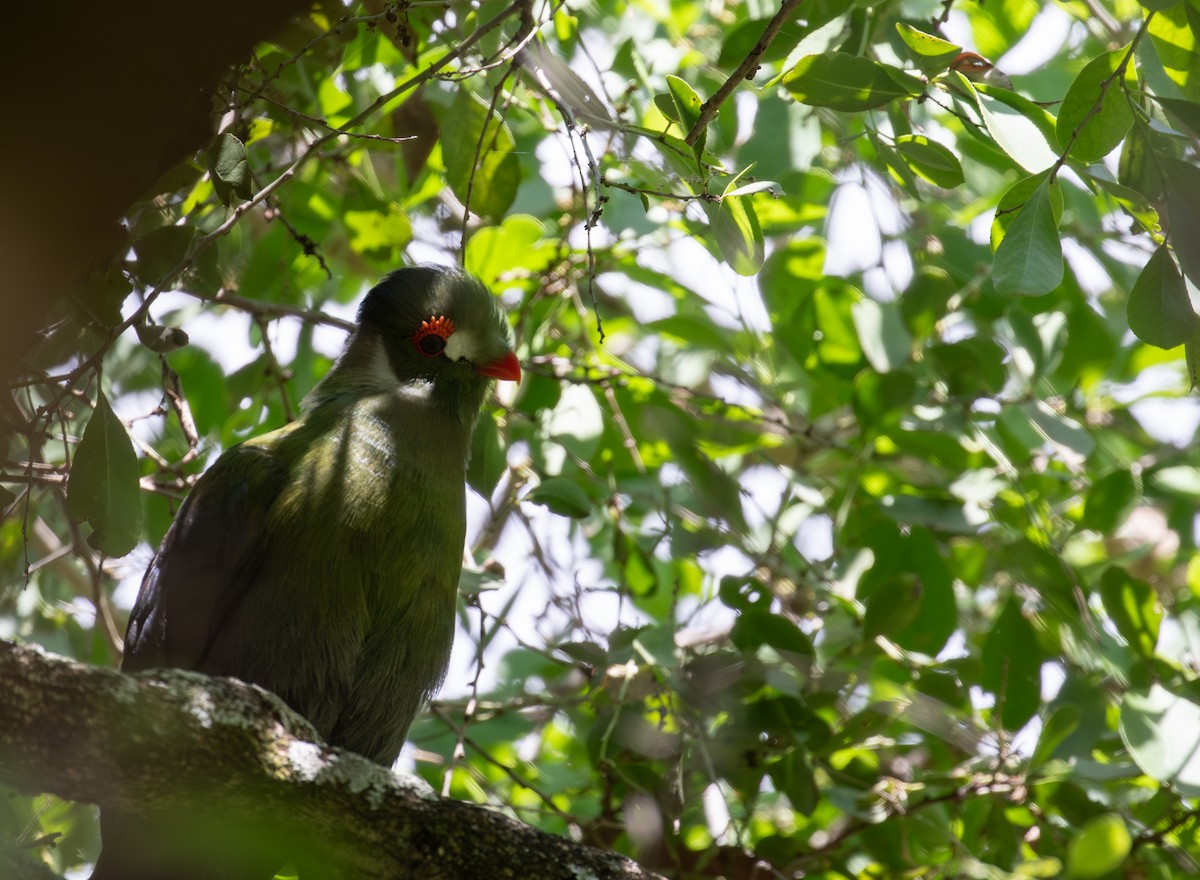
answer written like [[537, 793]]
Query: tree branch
[[179, 745], [745, 70]]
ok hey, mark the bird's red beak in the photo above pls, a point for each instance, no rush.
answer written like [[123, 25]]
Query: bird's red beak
[[507, 368]]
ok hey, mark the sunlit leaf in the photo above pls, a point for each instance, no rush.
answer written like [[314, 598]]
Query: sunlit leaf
[[481, 166], [1095, 114], [1161, 729]]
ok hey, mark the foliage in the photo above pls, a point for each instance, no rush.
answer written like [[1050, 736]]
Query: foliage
[[858, 542]]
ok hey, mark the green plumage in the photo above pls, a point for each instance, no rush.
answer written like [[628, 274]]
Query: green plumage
[[321, 560]]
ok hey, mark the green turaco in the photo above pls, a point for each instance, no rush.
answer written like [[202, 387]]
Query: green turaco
[[321, 560]]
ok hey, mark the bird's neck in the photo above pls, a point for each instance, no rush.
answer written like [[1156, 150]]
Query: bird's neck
[[364, 372]]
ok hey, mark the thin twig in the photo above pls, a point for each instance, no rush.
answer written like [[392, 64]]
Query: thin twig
[[744, 71]]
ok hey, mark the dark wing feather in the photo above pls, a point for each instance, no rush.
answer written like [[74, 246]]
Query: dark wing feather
[[207, 559]]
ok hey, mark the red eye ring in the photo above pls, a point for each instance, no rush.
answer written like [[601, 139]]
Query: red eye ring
[[430, 338]]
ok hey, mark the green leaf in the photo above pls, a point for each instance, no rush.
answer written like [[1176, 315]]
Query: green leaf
[[1100, 847], [1012, 201], [1174, 40], [755, 627], [687, 106], [739, 237], [933, 54], [793, 775], [913, 566], [481, 163], [1132, 606], [562, 496], [103, 486], [1133, 201], [1186, 112], [930, 160], [884, 338], [1095, 110], [1183, 208], [1029, 261], [1020, 128], [848, 82], [1060, 724], [742, 40], [382, 234], [161, 251], [516, 244], [1012, 666], [1161, 729], [488, 461], [1058, 429], [893, 606], [1109, 502], [229, 168], [1159, 309], [1138, 166]]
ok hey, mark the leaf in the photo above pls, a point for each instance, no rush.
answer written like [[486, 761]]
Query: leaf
[[1012, 666], [742, 40], [1012, 201], [885, 340], [562, 496], [517, 243], [1159, 310], [1029, 261], [1186, 112], [687, 106], [738, 234], [1174, 41], [1183, 209], [1099, 848], [930, 160], [1161, 729], [1020, 128], [1109, 502], [482, 171], [161, 251], [1061, 723], [893, 606], [913, 565], [755, 627], [229, 168], [488, 460], [793, 775], [1133, 201], [848, 82], [1132, 606], [933, 54], [383, 234], [103, 486], [1137, 167], [1096, 131]]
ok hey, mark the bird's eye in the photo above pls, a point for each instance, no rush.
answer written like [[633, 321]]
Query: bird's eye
[[430, 338]]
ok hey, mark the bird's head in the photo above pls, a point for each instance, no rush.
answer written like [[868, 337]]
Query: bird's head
[[428, 325], [438, 322]]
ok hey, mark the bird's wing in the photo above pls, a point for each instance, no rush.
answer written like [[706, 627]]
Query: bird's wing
[[209, 556]]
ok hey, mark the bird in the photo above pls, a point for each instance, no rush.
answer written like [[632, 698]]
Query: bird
[[976, 68], [321, 560]]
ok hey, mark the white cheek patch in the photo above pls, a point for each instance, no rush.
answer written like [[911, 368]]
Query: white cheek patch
[[379, 368], [461, 346]]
